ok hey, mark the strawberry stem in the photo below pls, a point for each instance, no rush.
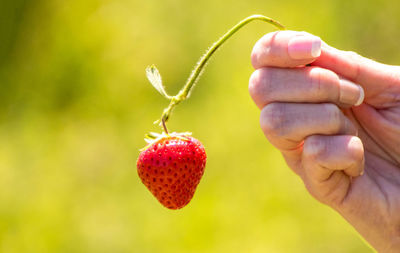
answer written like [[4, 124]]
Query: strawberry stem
[[164, 126], [193, 78]]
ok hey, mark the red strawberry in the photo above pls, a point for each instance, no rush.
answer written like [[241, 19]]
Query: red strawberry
[[171, 168]]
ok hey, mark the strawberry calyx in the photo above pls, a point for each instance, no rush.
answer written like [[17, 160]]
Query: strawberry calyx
[[153, 137]]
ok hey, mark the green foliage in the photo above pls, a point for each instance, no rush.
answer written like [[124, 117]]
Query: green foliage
[[155, 79], [75, 105]]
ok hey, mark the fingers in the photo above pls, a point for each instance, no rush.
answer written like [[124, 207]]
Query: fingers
[[286, 49], [286, 125], [373, 76], [300, 106], [328, 162], [303, 85], [290, 49], [322, 155]]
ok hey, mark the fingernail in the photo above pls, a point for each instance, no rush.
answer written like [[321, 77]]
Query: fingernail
[[351, 93], [361, 98], [362, 173], [304, 47]]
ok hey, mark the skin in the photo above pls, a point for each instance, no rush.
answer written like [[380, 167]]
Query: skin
[[347, 156]]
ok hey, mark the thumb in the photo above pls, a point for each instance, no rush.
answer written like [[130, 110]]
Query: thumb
[[381, 82]]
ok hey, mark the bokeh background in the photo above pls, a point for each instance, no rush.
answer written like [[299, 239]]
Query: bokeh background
[[75, 105]]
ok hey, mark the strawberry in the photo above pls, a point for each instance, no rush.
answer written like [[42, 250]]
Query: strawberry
[[171, 167]]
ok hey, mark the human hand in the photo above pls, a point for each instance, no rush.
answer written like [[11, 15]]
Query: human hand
[[335, 117]]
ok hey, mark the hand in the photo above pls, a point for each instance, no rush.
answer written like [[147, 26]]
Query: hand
[[335, 117]]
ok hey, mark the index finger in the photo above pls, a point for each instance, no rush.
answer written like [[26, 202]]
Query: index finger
[[286, 49]]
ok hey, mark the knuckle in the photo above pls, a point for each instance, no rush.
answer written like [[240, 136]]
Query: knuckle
[[324, 83], [334, 115], [258, 85], [272, 119], [254, 83], [353, 55], [314, 148], [267, 39], [261, 50], [356, 59]]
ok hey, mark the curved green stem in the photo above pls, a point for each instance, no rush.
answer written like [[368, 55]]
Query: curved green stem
[[185, 91]]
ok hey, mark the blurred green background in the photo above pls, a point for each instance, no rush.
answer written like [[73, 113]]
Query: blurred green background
[[75, 105]]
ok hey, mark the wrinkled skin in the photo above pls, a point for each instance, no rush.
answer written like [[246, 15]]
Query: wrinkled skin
[[348, 156]]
